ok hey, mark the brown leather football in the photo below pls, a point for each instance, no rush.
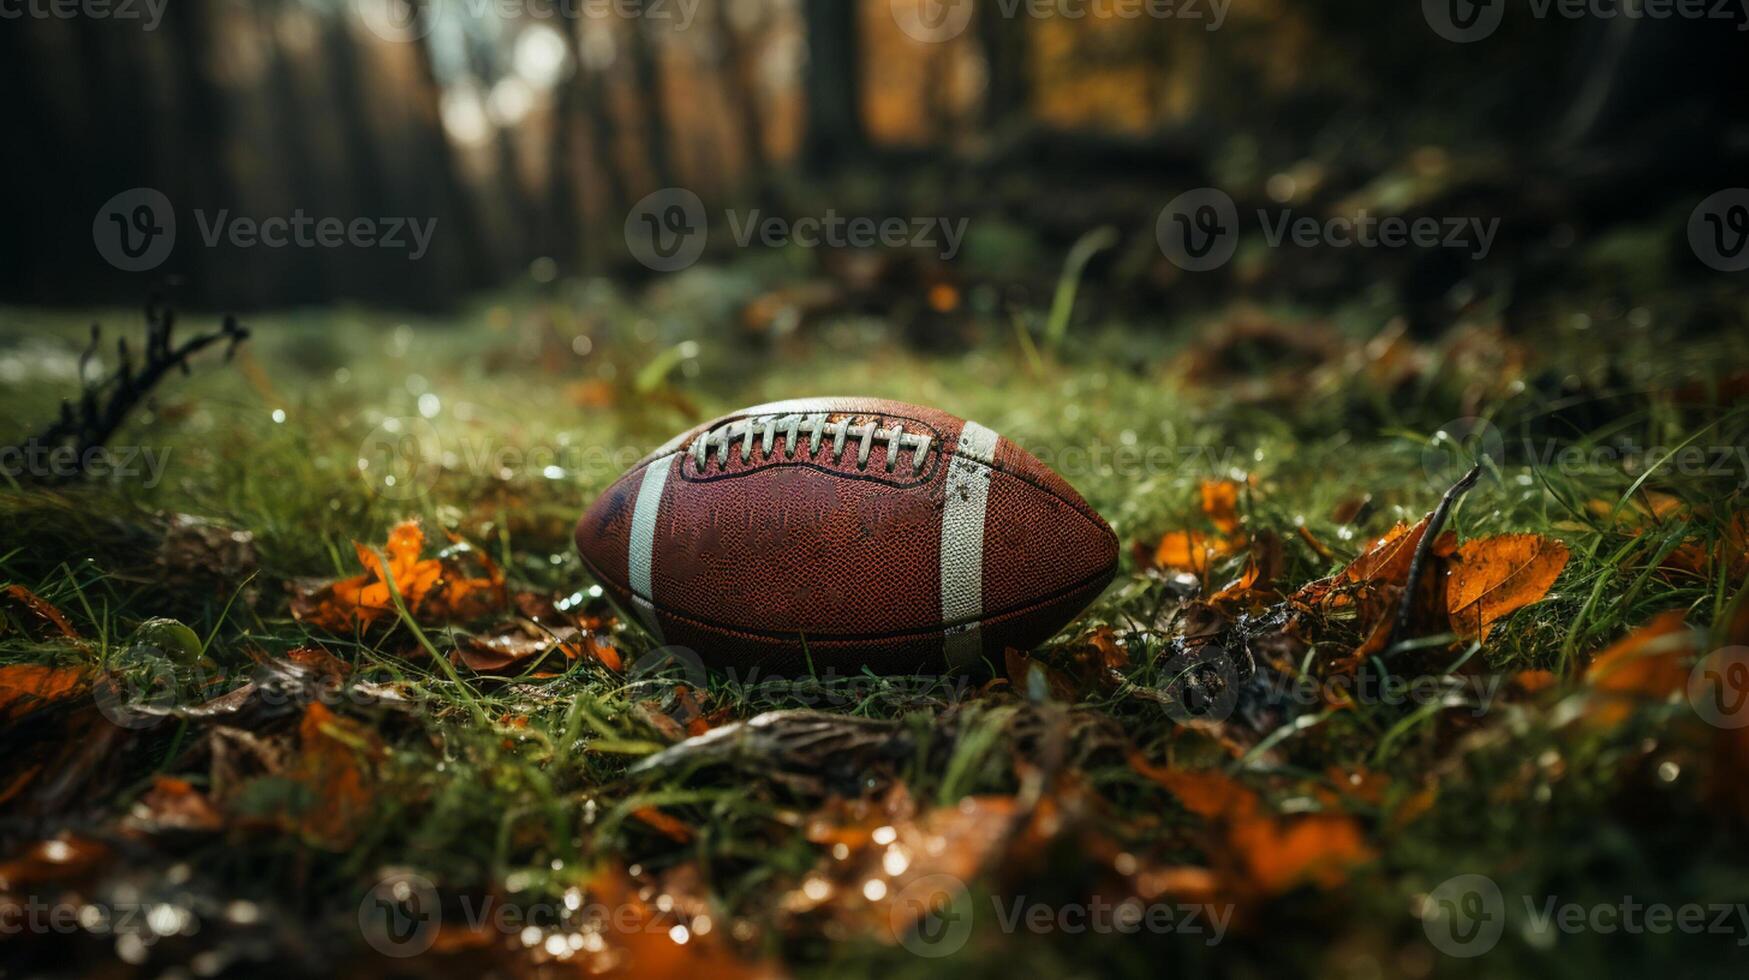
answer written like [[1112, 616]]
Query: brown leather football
[[876, 533]]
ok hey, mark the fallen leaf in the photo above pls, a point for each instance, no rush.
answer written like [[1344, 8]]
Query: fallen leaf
[[1261, 854], [1220, 503], [1649, 664], [1492, 577], [332, 760], [435, 590], [174, 804], [1387, 560], [28, 688], [1317, 849]]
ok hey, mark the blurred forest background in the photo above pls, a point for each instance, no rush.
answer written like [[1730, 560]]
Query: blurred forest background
[[527, 130]]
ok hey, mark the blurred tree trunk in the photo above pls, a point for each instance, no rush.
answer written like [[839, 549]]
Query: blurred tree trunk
[[834, 129], [32, 183], [604, 141], [359, 165], [517, 234], [655, 108], [203, 134], [562, 227], [454, 207], [741, 84], [308, 274], [1008, 92]]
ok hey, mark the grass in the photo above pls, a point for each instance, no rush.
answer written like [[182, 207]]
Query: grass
[[520, 788]]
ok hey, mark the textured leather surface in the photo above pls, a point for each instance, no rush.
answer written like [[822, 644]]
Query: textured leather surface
[[749, 555]]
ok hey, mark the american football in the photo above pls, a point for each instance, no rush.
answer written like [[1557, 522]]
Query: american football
[[846, 533]]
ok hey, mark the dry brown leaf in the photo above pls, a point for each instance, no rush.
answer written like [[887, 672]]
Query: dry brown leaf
[[174, 804], [1492, 577], [1259, 853], [1648, 664], [28, 688]]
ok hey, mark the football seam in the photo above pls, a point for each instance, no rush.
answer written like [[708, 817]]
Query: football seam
[[1106, 573], [1083, 508]]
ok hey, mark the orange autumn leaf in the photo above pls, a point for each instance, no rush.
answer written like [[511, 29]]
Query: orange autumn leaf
[[1191, 551], [1203, 792], [1532, 681], [1387, 559], [27, 688], [334, 753], [1492, 577], [1269, 854], [1220, 502], [1647, 664], [434, 590], [1316, 849]]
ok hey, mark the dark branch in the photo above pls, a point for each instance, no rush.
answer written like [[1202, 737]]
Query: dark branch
[[105, 404]]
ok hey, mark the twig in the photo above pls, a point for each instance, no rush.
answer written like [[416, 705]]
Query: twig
[[104, 405], [1435, 523]]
